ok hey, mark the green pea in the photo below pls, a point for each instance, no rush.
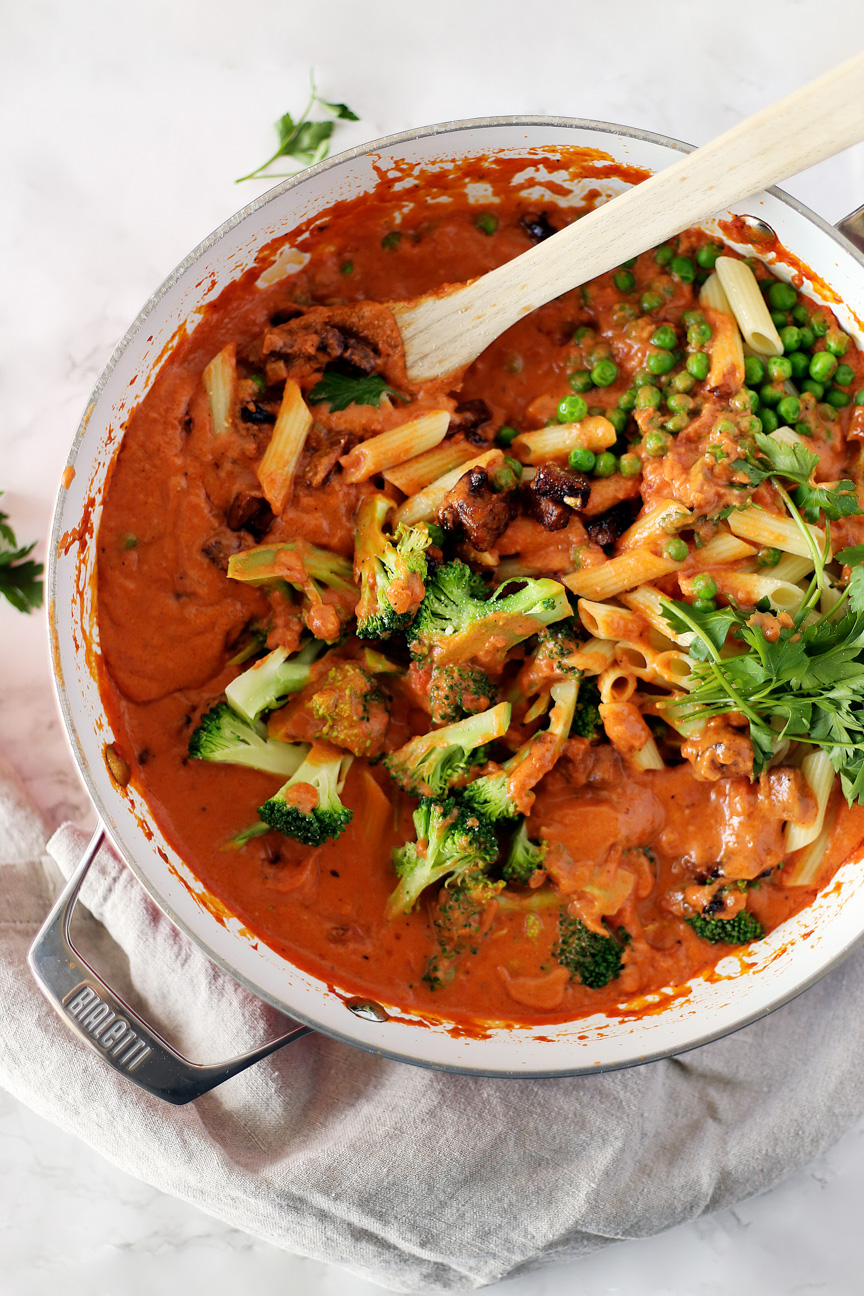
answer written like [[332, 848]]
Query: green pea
[[664, 336], [779, 368], [629, 465], [507, 435], [822, 366], [692, 317], [705, 605], [623, 313], [627, 400], [808, 337], [346, 268], [582, 460], [260, 382], [628, 265], [683, 268], [677, 423], [600, 351], [487, 222], [624, 281], [698, 335], [745, 400], [659, 362], [682, 381], [618, 419], [844, 375], [584, 335], [698, 365], [803, 429], [708, 254], [771, 393], [800, 363], [836, 342], [817, 388], [790, 336], [651, 301], [859, 396], [754, 371], [704, 586], [656, 444], [779, 319], [788, 409], [819, 324], [391, 241], [676, 549], [606, 464], [572, 409], [580, 381], [648, 398], [800, 314], [725, 427], [604, 373], [642, 378], [769, 557], [782, 296], [595, 410], [770, 421], [663, 254], [839, 399], [130, 541], [826, 412], [702, 276], [679, 403]]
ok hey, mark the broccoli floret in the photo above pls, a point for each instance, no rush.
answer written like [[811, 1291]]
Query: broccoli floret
[[452, 840], [548, 663], [352, 710], [308, 806], [459, 923], [740, 930], [324, 578], [593, 959], [457, 623], [426, 766], [456, 691], [508, 793], [224, 736], [389, 571], [267, 684], [586, 719], [524, 858]]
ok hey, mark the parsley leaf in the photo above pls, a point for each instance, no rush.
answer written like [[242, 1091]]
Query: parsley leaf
[[851, 556], [20, 580], [710, 628], [303, 141], [839, 502], [339, 391]]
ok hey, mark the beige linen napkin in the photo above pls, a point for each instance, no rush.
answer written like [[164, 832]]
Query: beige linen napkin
[[414, 1179]]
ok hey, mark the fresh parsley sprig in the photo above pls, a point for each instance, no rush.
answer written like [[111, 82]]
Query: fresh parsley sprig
[[20, 577], [304, 141], [340, 390], [805, 683]]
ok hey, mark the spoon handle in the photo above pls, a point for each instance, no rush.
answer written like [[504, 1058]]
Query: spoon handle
[[443, 333]]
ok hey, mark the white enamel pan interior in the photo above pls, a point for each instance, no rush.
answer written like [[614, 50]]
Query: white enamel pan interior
[[745, 986]]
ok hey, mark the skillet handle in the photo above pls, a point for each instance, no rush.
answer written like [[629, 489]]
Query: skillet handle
[[100, 1018], [853, 227]]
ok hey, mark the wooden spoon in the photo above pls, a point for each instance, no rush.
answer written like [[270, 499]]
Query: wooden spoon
[[443, 333]]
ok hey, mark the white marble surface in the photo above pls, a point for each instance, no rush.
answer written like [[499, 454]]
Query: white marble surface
[[122, 128]]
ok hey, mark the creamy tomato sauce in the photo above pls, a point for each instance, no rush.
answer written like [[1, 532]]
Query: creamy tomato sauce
[[171, 620]]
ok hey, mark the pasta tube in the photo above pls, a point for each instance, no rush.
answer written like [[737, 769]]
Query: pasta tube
[[414, 474], [593, 433], [819, 773], [637, 567], [424, 505], [402, 443], [276, 470], [220, 383], [748, 306], [773, 531]]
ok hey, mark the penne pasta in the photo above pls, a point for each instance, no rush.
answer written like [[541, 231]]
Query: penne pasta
[[791, 568], [721, 550], [423, 469], [648, 602], [616, 683], [220, 383], [400, 444], [656, 526], [648, 757], [726, 352], [748, 306], [279, 464], [819, 773], [593, 656], [747, 589], [423, 506], [625, 572], [605, 621], [772, 531], [593, 433]]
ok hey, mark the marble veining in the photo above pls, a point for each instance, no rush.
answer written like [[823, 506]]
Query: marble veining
[[124, 128]]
